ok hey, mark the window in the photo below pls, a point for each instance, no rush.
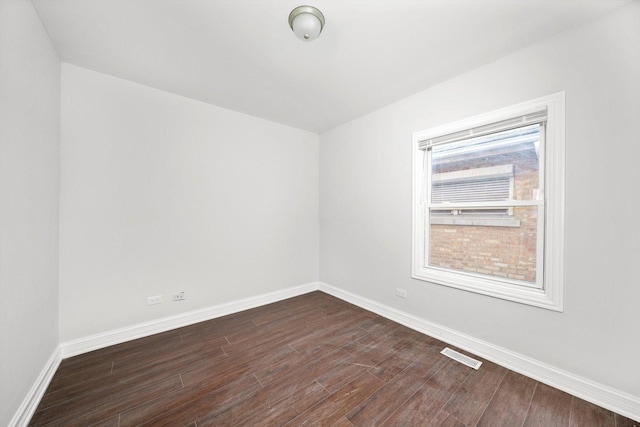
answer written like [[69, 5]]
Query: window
[[488, 203]]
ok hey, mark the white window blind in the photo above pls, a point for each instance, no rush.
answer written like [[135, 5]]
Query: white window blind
[[537, 116]]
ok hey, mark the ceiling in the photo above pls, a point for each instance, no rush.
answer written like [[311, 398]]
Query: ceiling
[[242, 55]]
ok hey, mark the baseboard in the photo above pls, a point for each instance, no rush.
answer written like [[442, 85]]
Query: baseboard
[[30, 403], [117, 336], [598, 394]]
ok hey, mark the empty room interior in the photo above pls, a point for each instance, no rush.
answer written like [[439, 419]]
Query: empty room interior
[[347, 213]]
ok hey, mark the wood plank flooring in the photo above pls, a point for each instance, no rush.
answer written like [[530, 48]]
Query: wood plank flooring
[[312, 360]]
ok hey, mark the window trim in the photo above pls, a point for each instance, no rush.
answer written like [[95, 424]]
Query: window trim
[[550, 294]]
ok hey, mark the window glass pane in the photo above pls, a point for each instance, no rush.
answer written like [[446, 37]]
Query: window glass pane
[[491, 251], [496, 167]]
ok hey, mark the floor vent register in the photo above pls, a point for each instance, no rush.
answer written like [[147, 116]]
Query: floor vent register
[[465, 360]]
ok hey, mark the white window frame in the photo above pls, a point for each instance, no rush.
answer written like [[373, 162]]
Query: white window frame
[[548, 291]]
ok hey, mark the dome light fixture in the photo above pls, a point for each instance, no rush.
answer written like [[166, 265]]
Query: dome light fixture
[[306, 22]]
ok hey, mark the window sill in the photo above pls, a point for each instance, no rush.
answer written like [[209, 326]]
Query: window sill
[[503, 289]]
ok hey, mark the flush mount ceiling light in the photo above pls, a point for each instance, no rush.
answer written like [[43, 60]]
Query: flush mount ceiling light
[[306, 22]]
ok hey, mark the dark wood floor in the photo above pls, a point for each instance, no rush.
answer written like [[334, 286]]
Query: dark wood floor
[[309, 360]]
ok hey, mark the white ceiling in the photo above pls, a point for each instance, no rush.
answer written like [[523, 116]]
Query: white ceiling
[[242, 55]]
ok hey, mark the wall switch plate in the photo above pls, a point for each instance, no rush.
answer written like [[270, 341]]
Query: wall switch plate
[[154, 300], [401, 293]]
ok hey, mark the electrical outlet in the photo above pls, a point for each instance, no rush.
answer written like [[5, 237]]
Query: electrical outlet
[[154, 300], [180, 296], [401, 293]]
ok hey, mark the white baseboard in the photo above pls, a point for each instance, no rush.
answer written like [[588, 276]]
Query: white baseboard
[[30, 403], [601, 395], [117, 336]]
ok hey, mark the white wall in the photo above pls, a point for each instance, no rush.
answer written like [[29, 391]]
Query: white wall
[[365, 201], [162, 194], [29, 176]]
